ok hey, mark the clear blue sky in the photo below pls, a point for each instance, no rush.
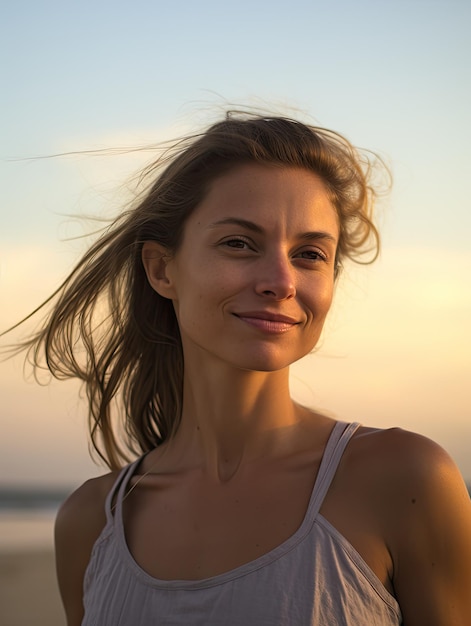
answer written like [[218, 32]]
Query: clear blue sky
[[393, 76]]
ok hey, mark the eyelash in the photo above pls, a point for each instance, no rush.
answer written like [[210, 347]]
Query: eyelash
[[227, 242], [319, 255]]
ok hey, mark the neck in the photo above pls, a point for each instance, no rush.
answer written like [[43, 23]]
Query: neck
[[233, 416]]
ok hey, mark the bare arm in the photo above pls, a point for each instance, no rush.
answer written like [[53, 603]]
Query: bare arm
[[431, 537], [78, 525]]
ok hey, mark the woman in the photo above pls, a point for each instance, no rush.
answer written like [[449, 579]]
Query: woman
[[243, 507]]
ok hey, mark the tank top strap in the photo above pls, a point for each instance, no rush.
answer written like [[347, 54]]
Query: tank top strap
[[115, 496], [338, 441]]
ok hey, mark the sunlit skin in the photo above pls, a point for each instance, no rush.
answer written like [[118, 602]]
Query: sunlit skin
[[252, 281], [251, 284]]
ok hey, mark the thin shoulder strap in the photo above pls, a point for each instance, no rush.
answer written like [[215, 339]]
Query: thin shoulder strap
[[338, 441], [116, 493]]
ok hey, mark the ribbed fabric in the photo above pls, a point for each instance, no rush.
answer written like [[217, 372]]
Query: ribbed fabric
[[315, 577]]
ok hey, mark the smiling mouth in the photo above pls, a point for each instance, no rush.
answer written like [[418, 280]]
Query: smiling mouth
[[268, 323]]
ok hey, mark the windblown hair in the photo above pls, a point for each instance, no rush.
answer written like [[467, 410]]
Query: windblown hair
[[110, 329]]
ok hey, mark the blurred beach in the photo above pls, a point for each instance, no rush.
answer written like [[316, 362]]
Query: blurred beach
[[28, 590], [28, 587]]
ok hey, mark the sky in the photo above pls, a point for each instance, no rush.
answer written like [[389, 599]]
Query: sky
[[393, 77]]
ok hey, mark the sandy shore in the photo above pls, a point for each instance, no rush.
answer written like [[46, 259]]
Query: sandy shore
[[28, 589]]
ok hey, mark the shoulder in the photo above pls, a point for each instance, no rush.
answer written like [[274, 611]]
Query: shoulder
[[79, 523], [81, 518], [408, 468], [425, 511], [83, 512], [420, 476], [406, 482], [400, 453], [394, 438], [417, 459]]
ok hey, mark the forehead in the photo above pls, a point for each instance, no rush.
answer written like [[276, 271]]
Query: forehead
[[273, 195]]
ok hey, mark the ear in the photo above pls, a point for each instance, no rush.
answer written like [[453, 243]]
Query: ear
[[155, 259]]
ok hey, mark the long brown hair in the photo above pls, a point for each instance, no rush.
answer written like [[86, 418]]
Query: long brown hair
[[110, 329]]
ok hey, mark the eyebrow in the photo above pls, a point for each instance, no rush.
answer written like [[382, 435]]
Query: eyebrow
[[237, 221]]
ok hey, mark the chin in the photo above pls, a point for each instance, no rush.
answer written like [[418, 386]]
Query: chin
[[265, 363]]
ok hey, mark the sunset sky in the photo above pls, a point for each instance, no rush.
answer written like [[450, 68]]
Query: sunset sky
[[392, 76]]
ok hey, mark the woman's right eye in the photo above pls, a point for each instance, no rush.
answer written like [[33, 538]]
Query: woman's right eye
[[237, 243]]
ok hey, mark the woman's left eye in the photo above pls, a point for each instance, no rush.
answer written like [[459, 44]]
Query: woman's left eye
[[312, 255]]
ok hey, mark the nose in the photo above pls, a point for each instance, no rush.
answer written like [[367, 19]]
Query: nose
[[275, 278]]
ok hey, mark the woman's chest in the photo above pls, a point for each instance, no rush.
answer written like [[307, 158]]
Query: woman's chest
[[193, 529]]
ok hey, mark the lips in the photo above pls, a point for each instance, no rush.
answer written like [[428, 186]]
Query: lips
[[267, 321]]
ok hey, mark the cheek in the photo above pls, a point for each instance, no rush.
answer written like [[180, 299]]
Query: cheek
[[319, 296], [195, 300], [320, 307], [329, 296]]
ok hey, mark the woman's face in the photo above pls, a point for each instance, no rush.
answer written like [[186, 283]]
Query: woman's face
[[252, 280]]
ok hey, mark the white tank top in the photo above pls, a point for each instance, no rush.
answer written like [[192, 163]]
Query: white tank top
[[315, 577]]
